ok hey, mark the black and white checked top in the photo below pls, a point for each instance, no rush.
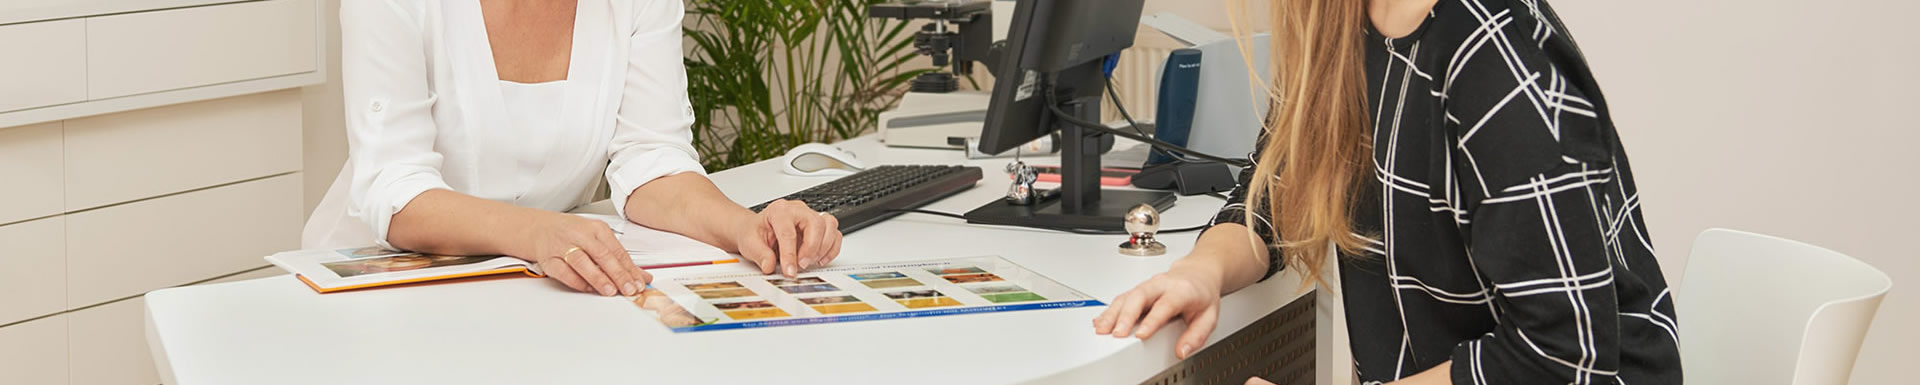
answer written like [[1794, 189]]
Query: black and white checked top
[[1504, 230]]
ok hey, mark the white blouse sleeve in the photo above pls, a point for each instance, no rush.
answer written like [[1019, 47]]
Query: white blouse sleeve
[[652, 135], [390, 127]]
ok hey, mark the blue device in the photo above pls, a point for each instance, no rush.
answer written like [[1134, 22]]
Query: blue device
[[1179, 89]]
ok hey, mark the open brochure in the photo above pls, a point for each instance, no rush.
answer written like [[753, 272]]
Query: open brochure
[[655, 249], [854, 293], [329, 271]]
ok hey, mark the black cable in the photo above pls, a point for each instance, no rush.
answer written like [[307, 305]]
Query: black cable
[[1053, 104], [1122, 107], [1050, 228]]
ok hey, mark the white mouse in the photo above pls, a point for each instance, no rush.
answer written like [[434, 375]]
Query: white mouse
[[816, 159]]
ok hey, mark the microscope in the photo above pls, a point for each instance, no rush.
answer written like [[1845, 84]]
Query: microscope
[[968, 40], [935, 113]]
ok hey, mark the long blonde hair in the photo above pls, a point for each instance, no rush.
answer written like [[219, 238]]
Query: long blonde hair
[[1318, 145]]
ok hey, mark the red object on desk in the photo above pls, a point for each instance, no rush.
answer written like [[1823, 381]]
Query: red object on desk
[[1108, 176]]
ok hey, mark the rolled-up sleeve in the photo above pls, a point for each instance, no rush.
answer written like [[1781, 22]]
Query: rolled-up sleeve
[[653, 135], [389, 119]]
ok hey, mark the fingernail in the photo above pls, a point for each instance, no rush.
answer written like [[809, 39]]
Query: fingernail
[[606, 290], [804, 264], [791, 271], [632, 289], [1185, 349]]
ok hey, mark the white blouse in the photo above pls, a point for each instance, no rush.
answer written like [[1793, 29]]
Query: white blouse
[[426, 110]]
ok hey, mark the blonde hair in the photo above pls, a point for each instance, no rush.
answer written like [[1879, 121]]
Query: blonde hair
[[1318, 145]]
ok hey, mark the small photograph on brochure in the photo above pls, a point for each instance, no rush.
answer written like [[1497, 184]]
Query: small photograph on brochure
[[367, 252], [401, 262]]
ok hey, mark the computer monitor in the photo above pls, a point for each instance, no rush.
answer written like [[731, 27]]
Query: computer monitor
[[1054, 62]]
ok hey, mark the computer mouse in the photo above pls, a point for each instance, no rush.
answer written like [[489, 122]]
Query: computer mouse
[[817, 159]]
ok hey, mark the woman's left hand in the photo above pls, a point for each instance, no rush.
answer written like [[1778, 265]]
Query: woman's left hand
[[790, 236]]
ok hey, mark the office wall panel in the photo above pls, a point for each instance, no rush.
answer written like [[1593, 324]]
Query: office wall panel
[[109, 345], [46, 64], [30, 165], [136, 53], [34, 352], [130, 249], [33, 269], [120, 157]]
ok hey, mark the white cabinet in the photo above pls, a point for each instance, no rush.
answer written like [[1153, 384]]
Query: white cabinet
[[121, 157], [64, 59], [144, 144], [145, 52], [34, 352], [30, 164], [33, 281], [134, 248], [108, 345], [45, 64]]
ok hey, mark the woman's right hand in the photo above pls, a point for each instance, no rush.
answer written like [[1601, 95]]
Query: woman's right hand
[[1190, 292], [581, 253]]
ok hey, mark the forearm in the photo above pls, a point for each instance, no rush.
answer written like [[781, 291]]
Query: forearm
[[688, 204], [1228, 251], [446, 222]]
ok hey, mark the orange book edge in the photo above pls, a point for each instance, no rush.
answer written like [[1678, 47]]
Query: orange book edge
[[505, 270]]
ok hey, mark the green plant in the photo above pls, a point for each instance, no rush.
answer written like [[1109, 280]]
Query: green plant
[[766, 75]]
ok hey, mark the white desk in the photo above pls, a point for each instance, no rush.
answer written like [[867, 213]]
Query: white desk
[[525, 331]]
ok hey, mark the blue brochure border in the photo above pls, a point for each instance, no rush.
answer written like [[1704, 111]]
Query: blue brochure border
[[893, 315]]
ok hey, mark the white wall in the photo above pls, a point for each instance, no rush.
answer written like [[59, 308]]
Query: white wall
[[1791, 118]]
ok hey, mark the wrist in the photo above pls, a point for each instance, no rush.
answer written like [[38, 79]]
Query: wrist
[[523, 232], [734, 229], [1200, 269]]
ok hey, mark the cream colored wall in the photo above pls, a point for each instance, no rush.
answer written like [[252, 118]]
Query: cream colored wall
[[1791, 118], [325, 137]]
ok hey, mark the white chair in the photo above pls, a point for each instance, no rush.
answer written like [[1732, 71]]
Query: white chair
[[1756, 309]]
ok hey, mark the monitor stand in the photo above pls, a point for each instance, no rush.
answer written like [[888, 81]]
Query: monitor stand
[[1079, 203]]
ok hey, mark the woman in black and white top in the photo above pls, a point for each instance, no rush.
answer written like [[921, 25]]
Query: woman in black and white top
[[1461, 157]]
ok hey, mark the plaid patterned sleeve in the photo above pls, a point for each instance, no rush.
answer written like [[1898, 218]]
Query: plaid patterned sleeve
[[1235, 211], [1537, 166]]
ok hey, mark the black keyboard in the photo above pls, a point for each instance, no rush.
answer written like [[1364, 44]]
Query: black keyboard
[[863, 198]]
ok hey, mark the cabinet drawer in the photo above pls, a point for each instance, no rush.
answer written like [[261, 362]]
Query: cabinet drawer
[[45, 65], [34, 352], [130, 249], [138, 154], [145, 52], [108, 345], [30, 166], [34, 280]]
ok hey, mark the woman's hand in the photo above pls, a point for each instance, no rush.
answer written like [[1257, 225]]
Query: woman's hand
[[1191, 292], [581, 253], [790, 236]]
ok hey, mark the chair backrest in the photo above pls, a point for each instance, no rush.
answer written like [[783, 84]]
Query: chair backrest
[[1756, 309]]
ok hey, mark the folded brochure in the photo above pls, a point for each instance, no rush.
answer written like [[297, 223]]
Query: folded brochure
[[329, 271], [973, 285]]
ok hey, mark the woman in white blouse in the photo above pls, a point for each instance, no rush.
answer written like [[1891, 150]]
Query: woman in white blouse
[[471, 126]]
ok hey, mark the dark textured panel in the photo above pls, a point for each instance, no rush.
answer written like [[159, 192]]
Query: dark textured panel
[[1278, 347]]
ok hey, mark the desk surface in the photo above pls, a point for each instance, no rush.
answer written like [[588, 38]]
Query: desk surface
[[519, 331]]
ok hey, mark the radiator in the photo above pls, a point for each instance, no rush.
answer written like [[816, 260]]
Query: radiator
[[1137, 80]]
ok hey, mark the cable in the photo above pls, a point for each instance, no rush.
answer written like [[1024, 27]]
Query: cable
[[1122, 107], [1069, 118], [1050, 228]]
